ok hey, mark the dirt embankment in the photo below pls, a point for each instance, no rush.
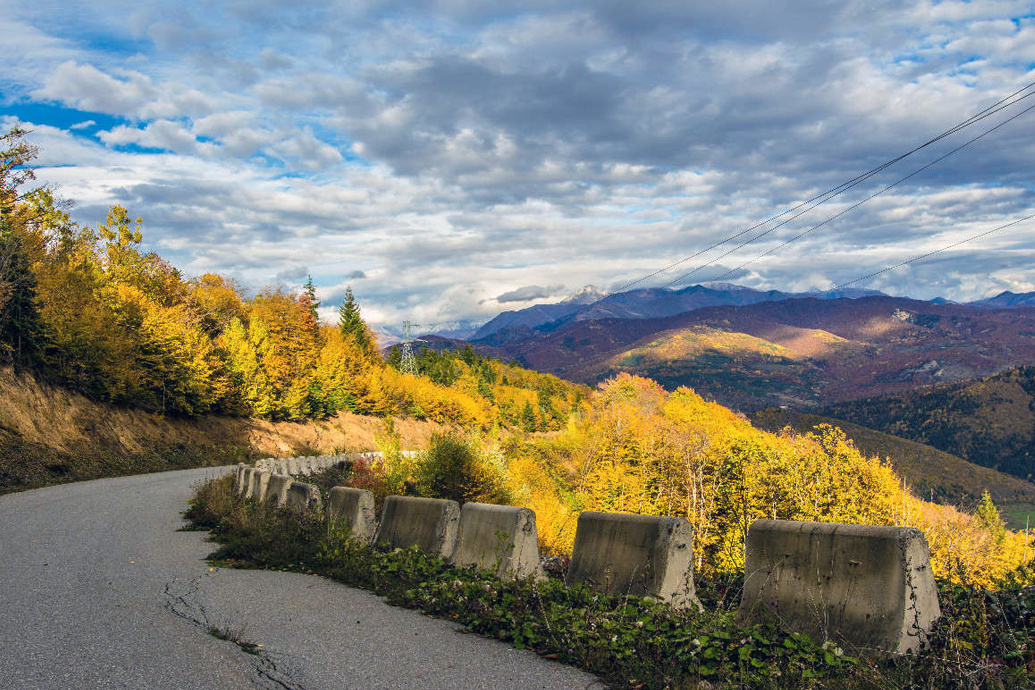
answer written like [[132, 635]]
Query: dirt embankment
[[50, 434]]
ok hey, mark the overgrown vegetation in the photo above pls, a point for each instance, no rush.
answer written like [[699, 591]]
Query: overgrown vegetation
[[639, 449], [983, 640]]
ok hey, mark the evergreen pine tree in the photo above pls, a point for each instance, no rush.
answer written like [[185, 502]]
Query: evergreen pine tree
[[314, 304], [350, 322]]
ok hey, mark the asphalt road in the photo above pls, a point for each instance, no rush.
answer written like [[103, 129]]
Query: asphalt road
[[99, 590]]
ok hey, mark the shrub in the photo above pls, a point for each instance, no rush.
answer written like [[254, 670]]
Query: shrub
[[452, 469]]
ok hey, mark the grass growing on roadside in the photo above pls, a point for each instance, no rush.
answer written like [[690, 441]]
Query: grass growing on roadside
[[984, 640]]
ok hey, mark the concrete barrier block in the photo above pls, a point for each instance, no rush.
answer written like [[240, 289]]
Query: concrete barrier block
[[239, 478], [277, 490], [261, 484], [353, 510], [502, 539], [254, 483], [291, 465], [430, 523], [246, 489], [305, 498], [862, 586], [242, 481], [638, 555]]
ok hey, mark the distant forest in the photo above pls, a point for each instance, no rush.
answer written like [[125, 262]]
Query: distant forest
[[989, 422]]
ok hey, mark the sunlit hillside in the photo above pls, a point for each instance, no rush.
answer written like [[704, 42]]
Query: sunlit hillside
[[930, 473], [639, 449]]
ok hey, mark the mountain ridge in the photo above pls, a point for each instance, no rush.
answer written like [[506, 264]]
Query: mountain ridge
[[642, 303]]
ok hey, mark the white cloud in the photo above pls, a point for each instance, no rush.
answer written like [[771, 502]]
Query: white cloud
[[160, 134], [87, 88], [308, 152]]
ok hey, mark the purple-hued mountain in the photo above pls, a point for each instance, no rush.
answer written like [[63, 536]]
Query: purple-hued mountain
[[644, 303], [1007, 300]]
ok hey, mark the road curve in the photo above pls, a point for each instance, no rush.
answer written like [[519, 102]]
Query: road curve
[[99, 590]]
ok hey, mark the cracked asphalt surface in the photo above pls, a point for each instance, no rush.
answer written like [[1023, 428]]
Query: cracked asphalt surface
[[99, 590]]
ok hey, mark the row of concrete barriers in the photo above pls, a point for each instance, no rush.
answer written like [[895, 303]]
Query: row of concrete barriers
[[311, 464], [865, 587]]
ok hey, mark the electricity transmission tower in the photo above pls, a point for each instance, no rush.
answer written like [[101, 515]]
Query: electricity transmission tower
[[409, 362]]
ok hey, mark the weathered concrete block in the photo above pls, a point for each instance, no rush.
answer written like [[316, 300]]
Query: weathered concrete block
[[292, 465], [246, 487], [305, 498], [859, 585], [239, 478], [260, 484], [498, 538], [353, 509], [639, 555], [277, 490], [430, 523], [254, 480]]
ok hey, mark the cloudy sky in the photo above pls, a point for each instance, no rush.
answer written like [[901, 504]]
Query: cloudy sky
[[451, 159]]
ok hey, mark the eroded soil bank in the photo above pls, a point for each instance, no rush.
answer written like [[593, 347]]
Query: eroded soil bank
[[50, 435]]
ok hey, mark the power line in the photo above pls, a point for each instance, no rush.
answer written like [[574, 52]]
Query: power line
[[856, 205], [822, 198], [850, 208], [928, 254]]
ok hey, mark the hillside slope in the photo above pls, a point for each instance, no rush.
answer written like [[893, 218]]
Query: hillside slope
[[932, 474], [49, 434], [990, 422]]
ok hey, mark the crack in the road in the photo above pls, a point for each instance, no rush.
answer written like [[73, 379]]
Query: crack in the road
[[184, 600]]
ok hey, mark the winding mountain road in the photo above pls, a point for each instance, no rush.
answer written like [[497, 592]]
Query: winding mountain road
[[98, 589]]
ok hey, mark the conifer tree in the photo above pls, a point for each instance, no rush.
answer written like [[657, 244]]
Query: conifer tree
[[310, 297], [350, 322]]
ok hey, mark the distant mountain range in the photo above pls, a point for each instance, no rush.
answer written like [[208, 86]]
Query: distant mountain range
[[1007, 300], [589, 304], [647, 303], [751, 349], [902, 366]]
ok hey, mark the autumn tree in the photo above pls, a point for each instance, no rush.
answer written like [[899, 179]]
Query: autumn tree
[[25, 216]]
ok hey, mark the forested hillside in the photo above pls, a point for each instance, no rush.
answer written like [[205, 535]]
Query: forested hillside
[[929, 473], [990, 422], [88, 308], [636, 448]]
